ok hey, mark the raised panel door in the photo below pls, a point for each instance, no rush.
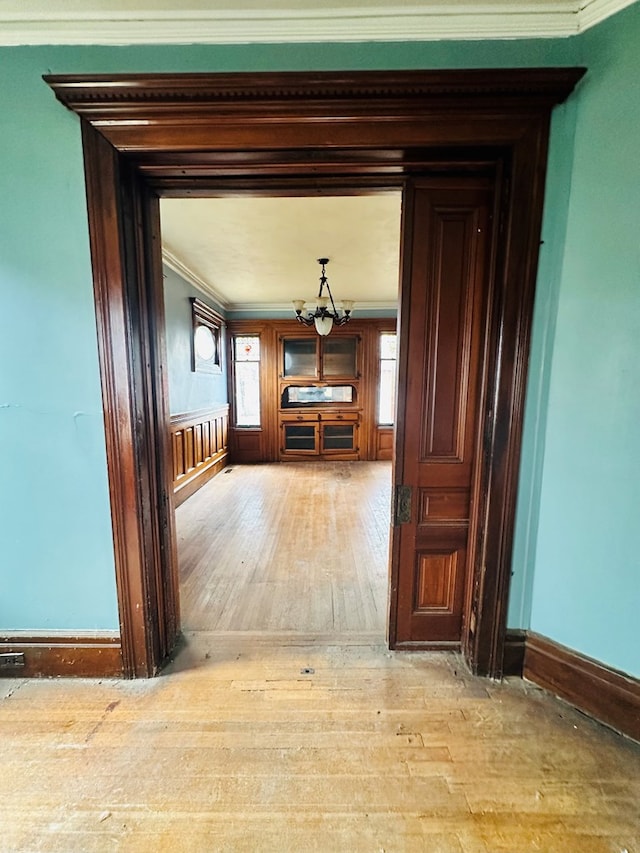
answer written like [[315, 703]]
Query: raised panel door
[[446, 239]]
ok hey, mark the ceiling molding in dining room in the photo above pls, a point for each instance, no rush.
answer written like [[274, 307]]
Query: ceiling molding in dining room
[[120, 22], [174, 263]]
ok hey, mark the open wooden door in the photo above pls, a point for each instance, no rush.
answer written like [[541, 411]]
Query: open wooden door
[[445, 274]]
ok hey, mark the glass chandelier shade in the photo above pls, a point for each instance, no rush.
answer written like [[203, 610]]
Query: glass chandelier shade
[[323, 317]]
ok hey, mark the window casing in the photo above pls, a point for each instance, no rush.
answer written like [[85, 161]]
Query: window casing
[[246, 380], [207, 338]]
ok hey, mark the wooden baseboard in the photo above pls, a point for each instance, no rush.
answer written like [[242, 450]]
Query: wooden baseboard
[[606, 694], [423, 646], [80, 655], [514, 646], [203, 476]]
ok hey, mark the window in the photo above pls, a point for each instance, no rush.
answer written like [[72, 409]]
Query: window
[[387, 385], [246, 378], [207, 349]]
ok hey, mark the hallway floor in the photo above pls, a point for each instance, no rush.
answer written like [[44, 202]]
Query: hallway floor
[[267, 742]]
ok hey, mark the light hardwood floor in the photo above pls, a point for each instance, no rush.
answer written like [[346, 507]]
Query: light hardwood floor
[[263, 743], [306, 735], [293, 547]]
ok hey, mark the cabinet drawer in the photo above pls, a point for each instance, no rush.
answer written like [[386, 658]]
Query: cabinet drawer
[[305, 417], [332, 417]]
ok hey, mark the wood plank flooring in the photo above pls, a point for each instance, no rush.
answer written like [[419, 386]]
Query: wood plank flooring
[[291, 731], [294, 547], [262, 743]]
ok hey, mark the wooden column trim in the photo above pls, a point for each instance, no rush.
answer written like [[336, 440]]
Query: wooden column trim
[[293, 132], [102, 177], [137, 463]]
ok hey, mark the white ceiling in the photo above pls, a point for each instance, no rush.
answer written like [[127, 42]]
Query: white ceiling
[[251, 21], [260, 253]]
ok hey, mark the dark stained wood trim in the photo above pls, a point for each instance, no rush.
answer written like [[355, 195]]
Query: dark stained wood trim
[[606, 694], [202, 478], [80, 655], [509, 321], [214, 426], [514, 645], [197, 415], [151, 133], [103, 180], [130, 318], [130, 95]]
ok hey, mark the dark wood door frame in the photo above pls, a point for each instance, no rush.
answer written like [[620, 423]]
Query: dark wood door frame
[[185, 135]]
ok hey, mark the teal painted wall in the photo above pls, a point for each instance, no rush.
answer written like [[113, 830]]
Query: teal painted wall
[[56, 566], [58, 533], [188, 390], [586, 585]]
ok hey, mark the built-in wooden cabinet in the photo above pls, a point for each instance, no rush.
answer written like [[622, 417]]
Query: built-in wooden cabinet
[[326, 434], [318, 394], [319, 389]]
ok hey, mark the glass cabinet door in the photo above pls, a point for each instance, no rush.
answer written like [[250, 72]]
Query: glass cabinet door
[[338, 437], [300, 438], [300, 357], [339, 356]]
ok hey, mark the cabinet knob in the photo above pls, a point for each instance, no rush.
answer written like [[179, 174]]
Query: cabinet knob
[[300, 417], [339, 417]]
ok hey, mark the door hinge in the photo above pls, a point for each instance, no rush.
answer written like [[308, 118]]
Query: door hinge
[[401, 505]]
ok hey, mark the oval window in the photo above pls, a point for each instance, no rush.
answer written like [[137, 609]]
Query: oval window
[[204, 343]]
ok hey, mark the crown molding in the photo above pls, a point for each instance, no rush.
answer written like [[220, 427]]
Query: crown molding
[[175, 264], [155, 22], [253, 307], [595, 11]]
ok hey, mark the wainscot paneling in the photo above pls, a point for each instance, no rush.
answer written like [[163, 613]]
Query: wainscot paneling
[[199, 443], [88, 655], [606, 694], [384, 443], [246, 445]]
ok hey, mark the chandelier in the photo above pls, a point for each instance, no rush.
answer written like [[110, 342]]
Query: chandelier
[[324, 318]]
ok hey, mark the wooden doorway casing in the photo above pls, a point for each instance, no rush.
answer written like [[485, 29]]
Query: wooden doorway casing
[[186, 135]]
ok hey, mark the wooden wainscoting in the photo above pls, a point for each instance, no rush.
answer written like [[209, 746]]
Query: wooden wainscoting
[[247, 445], [95, 654], [384, 443], [199, 442]]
